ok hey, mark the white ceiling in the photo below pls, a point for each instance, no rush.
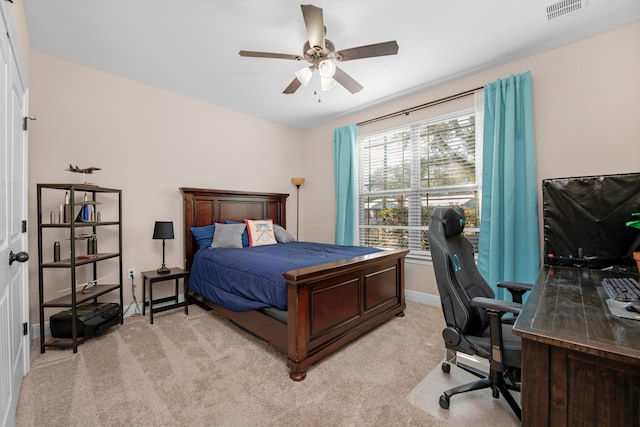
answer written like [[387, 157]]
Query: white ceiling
[[191, 46]]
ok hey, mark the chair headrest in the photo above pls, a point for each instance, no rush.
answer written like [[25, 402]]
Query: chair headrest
[[454, 222]]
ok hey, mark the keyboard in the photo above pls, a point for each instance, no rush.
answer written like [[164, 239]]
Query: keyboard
[[621, 288]]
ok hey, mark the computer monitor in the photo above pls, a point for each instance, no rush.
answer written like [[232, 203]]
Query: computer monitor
[[585, 220]]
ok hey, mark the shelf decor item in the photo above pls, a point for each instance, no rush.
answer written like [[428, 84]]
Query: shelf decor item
[[163, 230], [66, 209], [635, 224]]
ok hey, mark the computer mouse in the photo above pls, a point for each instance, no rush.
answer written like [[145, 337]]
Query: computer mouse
[[633, 306]]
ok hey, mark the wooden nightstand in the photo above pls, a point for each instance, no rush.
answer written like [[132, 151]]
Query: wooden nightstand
[[153, 277]]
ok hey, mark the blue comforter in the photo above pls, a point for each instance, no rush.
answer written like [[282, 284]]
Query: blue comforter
[[251, 278]]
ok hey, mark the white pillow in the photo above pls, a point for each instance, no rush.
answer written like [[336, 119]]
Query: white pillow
[[260, 232]]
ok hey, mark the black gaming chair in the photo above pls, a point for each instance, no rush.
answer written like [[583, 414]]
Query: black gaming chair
[[475, 323]]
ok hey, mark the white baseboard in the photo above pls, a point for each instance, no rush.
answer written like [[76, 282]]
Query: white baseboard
[[423, 298]]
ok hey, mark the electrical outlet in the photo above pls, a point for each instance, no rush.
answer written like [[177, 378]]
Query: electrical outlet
[[132, 273]]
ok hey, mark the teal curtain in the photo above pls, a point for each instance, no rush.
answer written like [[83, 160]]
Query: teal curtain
[[509, 242], [345, 171]]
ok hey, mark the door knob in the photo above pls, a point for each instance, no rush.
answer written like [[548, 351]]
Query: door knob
[[20, 257]]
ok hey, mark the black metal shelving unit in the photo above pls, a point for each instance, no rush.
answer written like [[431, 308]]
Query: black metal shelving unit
[[78, 229]]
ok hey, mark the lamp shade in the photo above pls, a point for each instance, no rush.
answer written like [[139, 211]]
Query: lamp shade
[[163, 230], [304, 75], [327, 83], [297, 181], [327, 68]]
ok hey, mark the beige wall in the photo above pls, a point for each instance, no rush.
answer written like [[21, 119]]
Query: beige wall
[[150, 141], [586, 112]]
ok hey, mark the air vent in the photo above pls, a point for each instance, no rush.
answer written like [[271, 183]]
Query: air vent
[[563, 7]]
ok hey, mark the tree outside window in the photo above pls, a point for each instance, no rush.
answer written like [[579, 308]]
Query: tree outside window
[[404, 173]]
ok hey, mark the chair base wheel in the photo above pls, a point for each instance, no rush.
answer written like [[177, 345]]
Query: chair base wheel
[[444, 402], [446, 368]]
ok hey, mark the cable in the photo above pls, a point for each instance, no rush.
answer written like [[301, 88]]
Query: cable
[[136, 311]]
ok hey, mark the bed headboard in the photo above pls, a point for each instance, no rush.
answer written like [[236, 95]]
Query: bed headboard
[[204, 207]]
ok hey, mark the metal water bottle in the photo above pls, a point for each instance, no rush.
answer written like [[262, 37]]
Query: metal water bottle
[[56, 252], [92, 245]]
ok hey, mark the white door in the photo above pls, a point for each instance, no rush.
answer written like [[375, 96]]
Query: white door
[[14, 312]]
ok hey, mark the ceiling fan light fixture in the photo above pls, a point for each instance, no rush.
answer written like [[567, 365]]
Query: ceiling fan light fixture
[[327, 68], [321, 54], [327, 83], [304, 76]]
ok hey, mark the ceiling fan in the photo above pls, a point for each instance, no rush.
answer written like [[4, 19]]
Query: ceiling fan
[[321, 54]]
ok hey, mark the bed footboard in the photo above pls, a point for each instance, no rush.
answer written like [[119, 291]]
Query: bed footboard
[[332, 304]]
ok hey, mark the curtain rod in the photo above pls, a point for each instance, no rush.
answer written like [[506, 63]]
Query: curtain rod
[[407, 111]]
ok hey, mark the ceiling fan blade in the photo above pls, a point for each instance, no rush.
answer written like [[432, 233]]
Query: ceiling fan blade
[[378, 49], [347, 81], [252, 54], [315, 26], [293, 86]]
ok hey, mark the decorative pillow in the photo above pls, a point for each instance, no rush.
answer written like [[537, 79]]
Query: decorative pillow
[[260, 232], [203, 235], [228, 236], [282, 235], [245, 235]]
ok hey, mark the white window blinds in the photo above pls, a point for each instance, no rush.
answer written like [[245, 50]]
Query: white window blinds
[[405, 172]]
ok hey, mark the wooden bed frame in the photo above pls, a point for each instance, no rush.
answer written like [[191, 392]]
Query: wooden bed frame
[[329, 305]]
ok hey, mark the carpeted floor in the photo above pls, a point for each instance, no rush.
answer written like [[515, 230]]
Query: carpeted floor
[[201, 370]]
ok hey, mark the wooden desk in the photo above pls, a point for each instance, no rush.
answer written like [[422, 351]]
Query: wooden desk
[[580, 363]]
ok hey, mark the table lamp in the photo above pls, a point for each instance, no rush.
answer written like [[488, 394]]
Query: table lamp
[[163, 230]]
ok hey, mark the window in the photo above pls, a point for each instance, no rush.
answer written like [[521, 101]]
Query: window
[[404, 173]]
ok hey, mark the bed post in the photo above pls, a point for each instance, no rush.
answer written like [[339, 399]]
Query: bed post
[[189, 250]]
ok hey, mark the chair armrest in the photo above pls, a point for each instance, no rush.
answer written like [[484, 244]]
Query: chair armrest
[[495, 309], [515, 286], [492, 304], [516, 289]]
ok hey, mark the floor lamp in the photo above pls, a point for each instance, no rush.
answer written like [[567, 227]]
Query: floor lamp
[[297, 182]]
